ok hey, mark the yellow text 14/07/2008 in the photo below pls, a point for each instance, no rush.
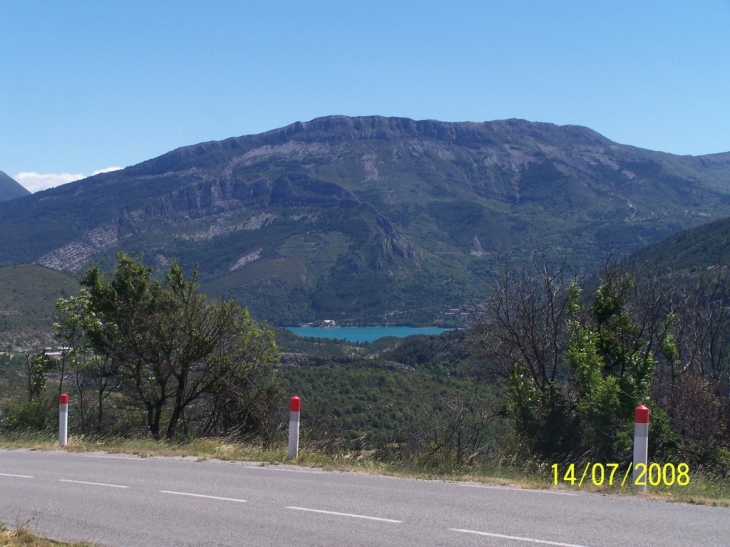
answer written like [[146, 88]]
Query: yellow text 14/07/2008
[[600, 474]]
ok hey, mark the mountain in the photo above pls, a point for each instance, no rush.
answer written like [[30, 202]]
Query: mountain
[[370, 220], [10, 189], [703, 247]]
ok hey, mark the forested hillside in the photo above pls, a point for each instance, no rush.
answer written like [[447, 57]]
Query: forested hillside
[[706, 246], [28, 295]]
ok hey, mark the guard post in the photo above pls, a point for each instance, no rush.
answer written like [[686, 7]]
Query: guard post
[[63, 419], [295, 406], [641, 445]]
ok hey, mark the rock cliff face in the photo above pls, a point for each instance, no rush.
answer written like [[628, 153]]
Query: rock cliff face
[[76, 254], [212, 204], [211, 198]]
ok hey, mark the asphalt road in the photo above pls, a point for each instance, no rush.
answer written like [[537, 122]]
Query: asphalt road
[[130, 501]]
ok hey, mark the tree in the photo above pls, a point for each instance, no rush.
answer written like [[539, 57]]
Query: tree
[[37, 412], [38, 365], [170, 345], [520, 335], [90, 370], [692, 383], [573, 369], [612, 366]]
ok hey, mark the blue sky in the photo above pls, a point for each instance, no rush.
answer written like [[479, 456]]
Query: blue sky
[[88, 85]]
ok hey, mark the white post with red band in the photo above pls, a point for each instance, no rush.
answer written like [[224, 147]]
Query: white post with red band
[[63, 419], [295, 407], [641, 445]]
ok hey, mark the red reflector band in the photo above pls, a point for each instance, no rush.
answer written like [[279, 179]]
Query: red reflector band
[[295, 404], [641, 415]]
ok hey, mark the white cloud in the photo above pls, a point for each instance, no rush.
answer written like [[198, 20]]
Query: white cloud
[[106, 170], [35, 182], [41, 181]]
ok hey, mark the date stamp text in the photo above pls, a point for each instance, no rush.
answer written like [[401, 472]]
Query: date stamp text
[[610, 474]]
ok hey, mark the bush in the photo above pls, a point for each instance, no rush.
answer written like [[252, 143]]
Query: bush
[[38, 414]]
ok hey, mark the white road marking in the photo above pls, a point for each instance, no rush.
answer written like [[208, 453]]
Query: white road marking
[[200, 496], [530, 490], [94, 483], [19, 476], [125, 458], [345, 515], [277, 468], [516, 538]]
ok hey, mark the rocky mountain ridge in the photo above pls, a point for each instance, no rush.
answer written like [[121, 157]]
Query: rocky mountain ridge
[[370, 219]]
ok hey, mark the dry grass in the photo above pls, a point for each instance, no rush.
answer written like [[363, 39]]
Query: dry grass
[[702, 490], [21, 537]]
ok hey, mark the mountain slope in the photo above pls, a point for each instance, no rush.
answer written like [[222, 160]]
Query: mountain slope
[[370, 219], [10, 189], [702, 247], [27, 304]]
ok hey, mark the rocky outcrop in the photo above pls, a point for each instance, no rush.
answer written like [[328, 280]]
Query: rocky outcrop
[[246, 259], [214, 197], [75, 255]]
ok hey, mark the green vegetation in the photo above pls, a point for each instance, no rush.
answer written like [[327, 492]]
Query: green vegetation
[[139, 350], [27, 297], [546, 375], [573, 371], [378, 406], [689, 251]]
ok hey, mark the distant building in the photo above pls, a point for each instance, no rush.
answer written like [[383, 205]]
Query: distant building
[[57, 353], [329, 323]]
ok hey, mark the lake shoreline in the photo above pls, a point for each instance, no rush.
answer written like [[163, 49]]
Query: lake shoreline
[[364, 334]]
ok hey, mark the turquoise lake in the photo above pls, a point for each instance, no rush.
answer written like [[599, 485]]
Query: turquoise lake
[[362, 334]]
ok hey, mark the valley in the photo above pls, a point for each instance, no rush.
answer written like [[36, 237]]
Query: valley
[[387, 222]]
